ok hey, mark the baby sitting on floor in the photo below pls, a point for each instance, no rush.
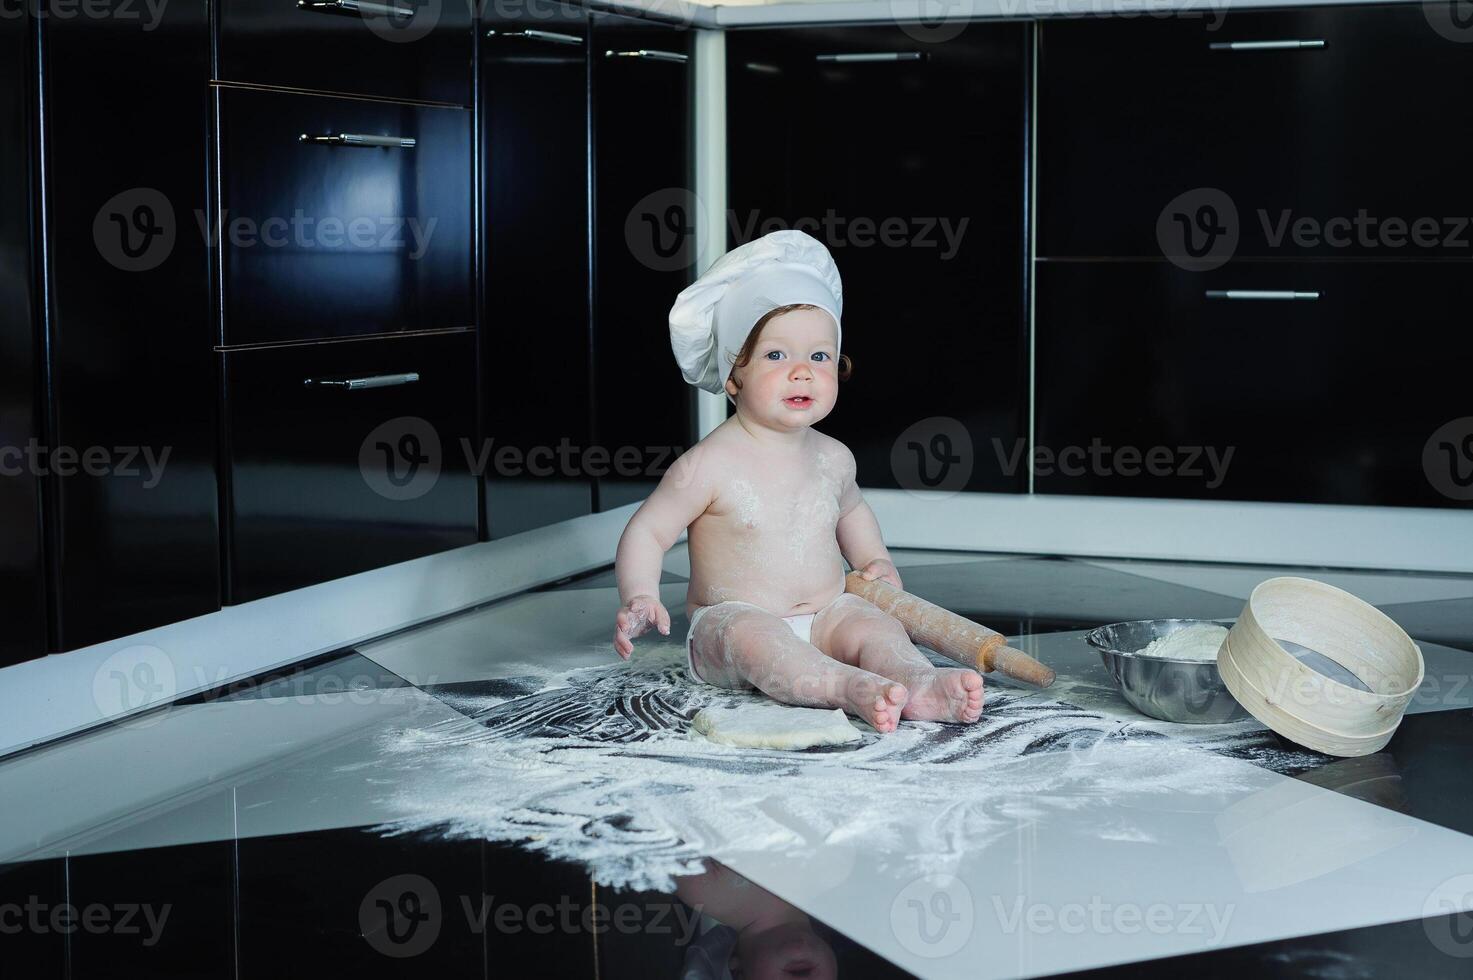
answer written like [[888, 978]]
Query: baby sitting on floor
[[772, 508]]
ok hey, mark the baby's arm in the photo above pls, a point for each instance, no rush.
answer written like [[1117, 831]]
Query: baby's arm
[[683, 494], [860, 541]]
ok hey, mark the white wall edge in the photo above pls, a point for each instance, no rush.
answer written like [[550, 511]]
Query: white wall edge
[[1424, 539], [710, 163]]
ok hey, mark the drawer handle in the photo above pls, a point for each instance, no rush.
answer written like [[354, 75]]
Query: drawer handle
[[550, 36], [649, 55], [356, 7], [373, 381], [1269, 294], [1287, 45], [870, 56], [360, 139]]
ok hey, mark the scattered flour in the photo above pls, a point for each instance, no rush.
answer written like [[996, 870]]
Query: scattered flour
[[1200, 641], [598, 766]]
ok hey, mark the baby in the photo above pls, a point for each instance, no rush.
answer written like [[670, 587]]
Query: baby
[[772, 509]]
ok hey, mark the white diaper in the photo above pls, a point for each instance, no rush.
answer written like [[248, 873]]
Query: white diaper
[[801, 625]]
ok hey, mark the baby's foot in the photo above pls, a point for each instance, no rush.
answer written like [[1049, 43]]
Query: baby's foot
[[949, 694], [876, 700]]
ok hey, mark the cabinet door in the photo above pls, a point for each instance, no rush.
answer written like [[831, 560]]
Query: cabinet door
[[336, 235], [1351, 120], [22, 593], [134, 529], [643, 252], [907, 160], [1332, 399], [536, 325], [347, 456], [398, 49]]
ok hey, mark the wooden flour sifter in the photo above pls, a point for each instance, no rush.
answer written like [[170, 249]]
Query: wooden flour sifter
[[950, 635]]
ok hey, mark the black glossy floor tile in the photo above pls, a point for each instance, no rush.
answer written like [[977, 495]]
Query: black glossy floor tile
[[159, 912], [1447, 621], [1029, 595], [34, 919]]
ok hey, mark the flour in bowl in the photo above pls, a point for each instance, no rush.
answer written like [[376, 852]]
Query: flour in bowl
[[1199, 641]]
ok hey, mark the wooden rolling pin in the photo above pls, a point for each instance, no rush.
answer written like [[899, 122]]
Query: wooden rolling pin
[[950, 635]]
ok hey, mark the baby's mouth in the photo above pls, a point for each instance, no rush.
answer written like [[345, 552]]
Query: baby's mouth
[[798, 401]]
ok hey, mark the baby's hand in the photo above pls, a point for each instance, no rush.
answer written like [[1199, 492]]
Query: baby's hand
[[881, 569], [635, 619]]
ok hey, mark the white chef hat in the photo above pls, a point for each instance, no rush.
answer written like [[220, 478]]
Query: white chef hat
[[712, 316]]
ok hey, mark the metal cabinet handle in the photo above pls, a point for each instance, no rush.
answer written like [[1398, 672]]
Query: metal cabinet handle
[[870, 56], [649, 55], [1269, 294], [359, 139], [356, 7], [550, 36], [373, 381], [1286, 45]]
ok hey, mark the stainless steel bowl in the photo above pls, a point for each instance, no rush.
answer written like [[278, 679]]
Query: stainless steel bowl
[[1186, 691]]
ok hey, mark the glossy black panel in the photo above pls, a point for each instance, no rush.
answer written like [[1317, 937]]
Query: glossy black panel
[[1136, 111], [32, 943], [22, 590], [330, 240], [326, 481], [134, 531], [534, 94], [157, 912], [643, 253], [425, 55], [912, 173], [1335, 400]]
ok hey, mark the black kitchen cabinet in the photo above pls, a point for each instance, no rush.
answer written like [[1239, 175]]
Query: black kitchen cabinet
[[399, 49], [536, 322], [644, 240], [22, 588], [1333, 399], [906, 158], [346, 456], [1321, 131], [364, 227], [133, 534]]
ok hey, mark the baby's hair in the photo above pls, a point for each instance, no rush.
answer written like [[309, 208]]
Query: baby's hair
[[744, 356]]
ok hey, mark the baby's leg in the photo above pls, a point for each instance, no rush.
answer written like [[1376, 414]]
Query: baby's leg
[[858, 632], [738, 645]]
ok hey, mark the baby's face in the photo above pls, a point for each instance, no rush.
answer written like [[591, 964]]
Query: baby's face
[[792, 378]]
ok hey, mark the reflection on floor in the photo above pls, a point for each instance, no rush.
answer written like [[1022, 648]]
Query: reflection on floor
[[229, 835]]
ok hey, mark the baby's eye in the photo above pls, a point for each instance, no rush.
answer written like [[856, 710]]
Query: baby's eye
[[773, 355], [822, 355]]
